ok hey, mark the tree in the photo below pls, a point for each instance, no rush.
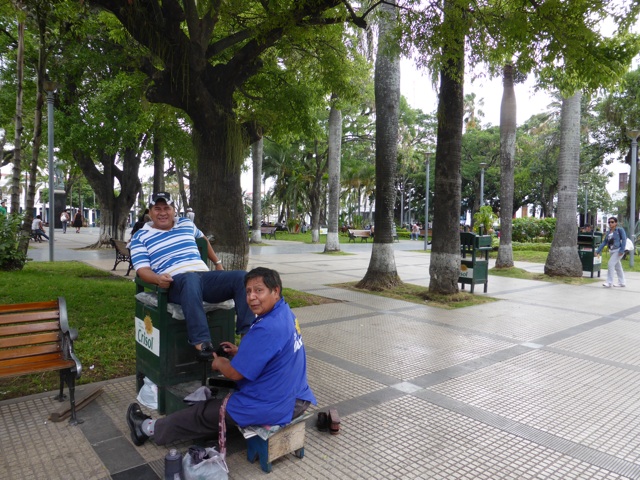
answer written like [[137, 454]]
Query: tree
[[333, 160], [257, 151], [507, 160], [382, 272], [563, 259], [201, 56]]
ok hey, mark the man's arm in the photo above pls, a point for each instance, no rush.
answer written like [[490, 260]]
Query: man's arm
[[149, 276], [223, 365], [212, 256]]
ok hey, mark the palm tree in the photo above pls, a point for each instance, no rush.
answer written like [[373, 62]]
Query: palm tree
[[382, 272], [257, 149], [335, 143], [563, 259], [507, 160]]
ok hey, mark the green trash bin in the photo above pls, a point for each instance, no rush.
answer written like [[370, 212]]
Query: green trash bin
[[474, 264], [163, 354], [587, 245]]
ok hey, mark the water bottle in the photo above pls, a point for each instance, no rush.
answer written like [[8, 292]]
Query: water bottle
[[173, 465]]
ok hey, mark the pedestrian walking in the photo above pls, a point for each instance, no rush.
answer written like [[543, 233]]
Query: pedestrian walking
[[77, 221], [64, 219], [615, 239]]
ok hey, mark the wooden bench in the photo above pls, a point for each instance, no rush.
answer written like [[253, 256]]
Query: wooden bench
[[36, 338], [122, 254], [269, 232], [363, 235]]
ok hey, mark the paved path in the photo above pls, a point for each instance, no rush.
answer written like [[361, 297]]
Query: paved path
[[543, 384]]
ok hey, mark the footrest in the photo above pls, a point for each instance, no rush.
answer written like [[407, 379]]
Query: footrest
[[288, 439]]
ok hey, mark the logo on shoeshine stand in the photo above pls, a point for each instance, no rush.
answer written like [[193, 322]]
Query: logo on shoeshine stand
[[147, 335]]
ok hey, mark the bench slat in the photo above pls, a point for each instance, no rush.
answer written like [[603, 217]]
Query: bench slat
[[35, 367], [21, 341], [28, 307], [8, 318], [33, 351], [29, 328]]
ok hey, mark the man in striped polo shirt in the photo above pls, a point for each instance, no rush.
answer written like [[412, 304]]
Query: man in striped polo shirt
[[164, 252]]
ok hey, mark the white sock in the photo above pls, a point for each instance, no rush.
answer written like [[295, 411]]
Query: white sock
[[148, 426]]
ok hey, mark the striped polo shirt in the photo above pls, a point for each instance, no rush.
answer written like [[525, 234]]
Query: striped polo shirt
[[168, 251]]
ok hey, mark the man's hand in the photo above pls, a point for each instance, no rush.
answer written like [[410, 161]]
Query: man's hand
[[165, 280], [223, 365], [229, 348]]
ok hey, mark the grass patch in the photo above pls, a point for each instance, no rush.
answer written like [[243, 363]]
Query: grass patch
[[337, 254], [515, 272], [421, 295], [101, 307]]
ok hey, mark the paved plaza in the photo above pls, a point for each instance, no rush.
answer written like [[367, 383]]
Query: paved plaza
[[542, 384]]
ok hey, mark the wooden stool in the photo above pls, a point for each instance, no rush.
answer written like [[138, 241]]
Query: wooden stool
[[288, 439]]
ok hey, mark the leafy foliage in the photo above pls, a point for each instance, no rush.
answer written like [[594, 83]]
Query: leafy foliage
[[10, 257], [529, 228]]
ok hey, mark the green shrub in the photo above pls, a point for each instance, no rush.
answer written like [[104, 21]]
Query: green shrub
[[10, 257], [529, 229]]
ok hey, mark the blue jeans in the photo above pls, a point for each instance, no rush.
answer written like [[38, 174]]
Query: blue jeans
[[191, 289]]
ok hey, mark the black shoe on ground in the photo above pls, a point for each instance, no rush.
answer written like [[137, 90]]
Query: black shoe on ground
[[323, 422], [206, 351], [135, 417]]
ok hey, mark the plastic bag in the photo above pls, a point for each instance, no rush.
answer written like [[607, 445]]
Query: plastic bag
[[148, 394], [213, 467], [628, 246]]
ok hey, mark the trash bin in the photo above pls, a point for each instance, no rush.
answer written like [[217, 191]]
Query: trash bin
[[587, 245], [474, 264], [163, 354]]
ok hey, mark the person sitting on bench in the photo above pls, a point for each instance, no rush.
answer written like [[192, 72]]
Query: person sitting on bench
[[36, 227], [164, 253], [269, 368]]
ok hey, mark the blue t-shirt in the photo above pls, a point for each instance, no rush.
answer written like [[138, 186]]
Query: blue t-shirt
[[171, 251], [273, 362]]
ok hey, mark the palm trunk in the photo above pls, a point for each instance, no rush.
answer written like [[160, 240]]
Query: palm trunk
[[382, 272], [507, 157], [257, 149], [335, 140], [563, 259]]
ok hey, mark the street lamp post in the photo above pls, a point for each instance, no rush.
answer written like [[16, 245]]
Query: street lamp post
[[633, 135], [482, 165], [426, 206], [586, 204], [50, 87]]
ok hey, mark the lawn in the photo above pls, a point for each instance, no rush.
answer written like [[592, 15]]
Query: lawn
[[101, 307]]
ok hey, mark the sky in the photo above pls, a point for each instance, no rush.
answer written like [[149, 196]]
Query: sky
[[416, 87]]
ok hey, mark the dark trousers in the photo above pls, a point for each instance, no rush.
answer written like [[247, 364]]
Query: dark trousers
[[199, 421]]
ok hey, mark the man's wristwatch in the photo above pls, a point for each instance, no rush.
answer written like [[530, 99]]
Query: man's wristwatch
[[218, 262]]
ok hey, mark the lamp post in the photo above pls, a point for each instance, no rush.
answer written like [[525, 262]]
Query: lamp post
[[482, 165], [50, 87], [586, 204], [426, 205], [633, 135]]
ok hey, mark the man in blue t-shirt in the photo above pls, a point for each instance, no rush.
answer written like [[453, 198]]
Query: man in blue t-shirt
[[269, 368], [164, 252]]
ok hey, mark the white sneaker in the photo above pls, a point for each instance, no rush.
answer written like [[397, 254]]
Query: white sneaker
[[619, 285], [606, 285]]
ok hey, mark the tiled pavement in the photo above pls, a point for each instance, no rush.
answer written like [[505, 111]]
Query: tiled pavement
[[542, 384]]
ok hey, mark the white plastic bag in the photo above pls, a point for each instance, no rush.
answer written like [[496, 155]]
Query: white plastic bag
[[213, 467], [148, 394], [628, 246]]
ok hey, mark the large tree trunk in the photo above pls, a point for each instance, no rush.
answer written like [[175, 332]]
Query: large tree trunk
[[563, 259], [218, 194], [257, 150], [444, 268], [382, 272], [335, 143], [507, 158], [114, 209]]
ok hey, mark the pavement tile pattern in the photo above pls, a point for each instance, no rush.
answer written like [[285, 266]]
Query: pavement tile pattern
[[542, 384]]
